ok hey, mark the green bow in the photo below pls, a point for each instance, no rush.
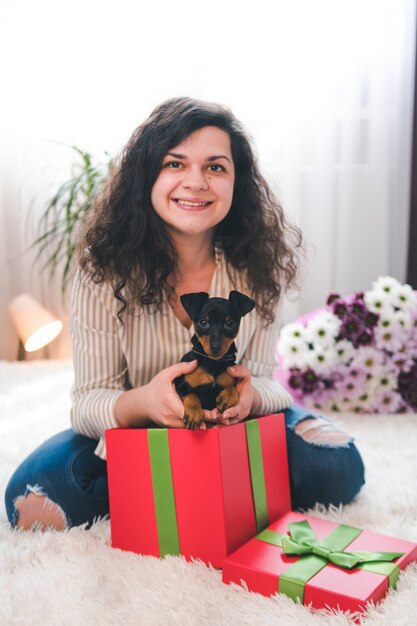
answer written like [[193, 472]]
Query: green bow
[[302, 541]]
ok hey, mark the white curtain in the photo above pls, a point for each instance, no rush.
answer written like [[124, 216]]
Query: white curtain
[[344, 170], [325, 88]]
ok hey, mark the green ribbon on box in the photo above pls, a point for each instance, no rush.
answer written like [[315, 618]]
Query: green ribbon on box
[[256, 467], [163, 489], [316, 555]]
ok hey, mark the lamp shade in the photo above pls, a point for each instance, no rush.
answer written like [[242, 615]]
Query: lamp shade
[[35, 325]]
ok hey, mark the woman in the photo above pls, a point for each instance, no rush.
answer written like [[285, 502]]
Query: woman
[[185, 210]]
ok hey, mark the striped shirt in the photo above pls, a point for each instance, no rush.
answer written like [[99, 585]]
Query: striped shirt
[[110, 356]]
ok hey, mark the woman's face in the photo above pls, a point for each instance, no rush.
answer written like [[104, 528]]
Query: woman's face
[[194, 189]]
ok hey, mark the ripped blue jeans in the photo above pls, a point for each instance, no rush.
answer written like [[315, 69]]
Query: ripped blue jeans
[[66, 470]]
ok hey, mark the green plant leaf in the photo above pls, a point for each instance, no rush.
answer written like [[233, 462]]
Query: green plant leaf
[[64, 212]]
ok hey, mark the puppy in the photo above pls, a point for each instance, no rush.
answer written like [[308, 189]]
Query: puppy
[[216, 324]]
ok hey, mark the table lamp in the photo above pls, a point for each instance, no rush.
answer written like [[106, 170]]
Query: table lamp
[[35, 326]]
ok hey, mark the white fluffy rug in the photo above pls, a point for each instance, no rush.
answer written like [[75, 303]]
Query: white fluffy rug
[[75, 577]]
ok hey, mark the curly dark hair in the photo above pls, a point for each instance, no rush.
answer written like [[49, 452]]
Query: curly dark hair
[[125, 240]]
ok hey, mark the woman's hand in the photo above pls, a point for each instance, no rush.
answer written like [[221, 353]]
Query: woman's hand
[[157, 400], [248, 397]]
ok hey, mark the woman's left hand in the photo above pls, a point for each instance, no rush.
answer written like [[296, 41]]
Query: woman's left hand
[[241, 410]]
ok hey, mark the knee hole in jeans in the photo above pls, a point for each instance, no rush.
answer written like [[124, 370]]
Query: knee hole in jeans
[[321, 432], [35, 511]]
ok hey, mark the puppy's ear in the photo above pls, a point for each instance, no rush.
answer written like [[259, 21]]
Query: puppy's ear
[[193, 302], [243, 304]]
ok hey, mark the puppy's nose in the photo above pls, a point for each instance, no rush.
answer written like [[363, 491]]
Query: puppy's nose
[[216, 348]]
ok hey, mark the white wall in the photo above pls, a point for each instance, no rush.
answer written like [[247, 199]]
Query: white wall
[[324, 87]]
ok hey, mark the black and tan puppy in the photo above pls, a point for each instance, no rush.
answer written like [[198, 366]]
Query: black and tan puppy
[[216, 324]]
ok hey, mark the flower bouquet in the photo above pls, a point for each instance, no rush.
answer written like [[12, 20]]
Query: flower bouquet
[[359, 353]]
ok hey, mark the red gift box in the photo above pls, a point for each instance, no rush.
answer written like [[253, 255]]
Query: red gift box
[[200, 493], [266, 568]]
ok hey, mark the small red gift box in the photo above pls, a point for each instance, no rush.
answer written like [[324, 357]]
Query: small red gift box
[[328, 568], [200, 493]]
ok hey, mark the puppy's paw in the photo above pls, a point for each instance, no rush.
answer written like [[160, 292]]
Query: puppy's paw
[[193, 421], [226, 398], [193, 413]]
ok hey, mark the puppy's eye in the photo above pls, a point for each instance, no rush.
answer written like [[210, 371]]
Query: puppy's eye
[[203, 323], [230, 325]]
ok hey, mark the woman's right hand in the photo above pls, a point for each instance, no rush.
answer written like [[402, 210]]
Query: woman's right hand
[[157, 400]]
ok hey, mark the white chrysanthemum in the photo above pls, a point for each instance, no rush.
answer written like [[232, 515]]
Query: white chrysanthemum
[[368, 360], [345, 351], [293, 352], [390, 339], [403, 318], [405, 298], [292, 331], [386, 401], [387, 317], [323, 329], [321, 359], [385, 381], [378, 301], [387, 284]]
